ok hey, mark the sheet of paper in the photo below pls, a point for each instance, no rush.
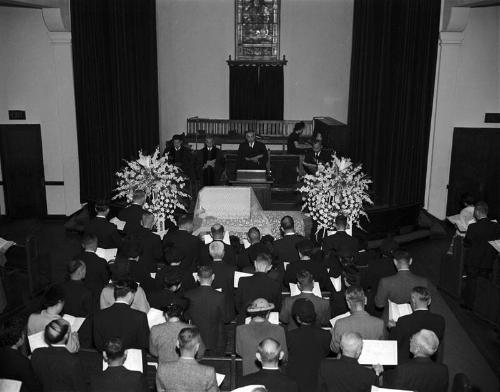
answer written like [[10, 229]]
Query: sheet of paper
[[36, 341], [161, 233], [133, 361], [219, 289], [294, 290], [7, 385], [118, 223], [248, 388], [379, 352], [246, 244], [5, 245], [75, 322], [286, 264], [495, 244], [398, 310], [153, 275], [337, 282], [220, 378], [154, 364], [458, 221], [155, 317], [274, 318], [106, 254], [377, 389], [340, 316], [238, 275]]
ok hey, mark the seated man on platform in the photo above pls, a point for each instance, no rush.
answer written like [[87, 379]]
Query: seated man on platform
[[293, 145], [314, 157], [180, 155], [209, 163], [252, 155]]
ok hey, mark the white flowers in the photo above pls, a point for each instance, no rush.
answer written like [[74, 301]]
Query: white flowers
[[337, 187], [161, 181]]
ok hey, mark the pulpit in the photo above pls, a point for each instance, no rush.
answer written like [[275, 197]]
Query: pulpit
[[257, 180]]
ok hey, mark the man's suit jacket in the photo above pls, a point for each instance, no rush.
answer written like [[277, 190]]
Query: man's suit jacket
[[307, 347], [186, 276], [106, 232], [132, 215], [182, 158], [397, 288], [15, 366], [58, 370], [480, 253], [273, 380], [229, 255], [119, 320], [321, 306], [185, 375], [118, 379], [209, 175], [284, 248], [97, 275], [78, 300], [187, 243], [207, 309], [253, 251], [152, 252], [224, 279], [245, 151], [257, 286], [345, 375], [420, 374], [410, 324], [317, 270], [367, 326], [139, 273], [340, 240], [377, 269]]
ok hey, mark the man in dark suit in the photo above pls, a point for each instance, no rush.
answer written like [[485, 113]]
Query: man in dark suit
[[251, 153], [340, 240], [269, 354], [180, 155], [106, 232], [171, 291], [421, 318], [55, 366], [217, 233], [307, 346], [256, 247], [346, 374], [260, 285], [317, 269], [77, 297], [305, 284], [421, 373], [152, 252], [16, 366], [397, 288], [120, 320], [480, 254], [97, 271], [186, 374], [117, 378], [185, 241], [174, 259], [209, 163], [207, 310], [315, 157], [132, 214], [285, 248]]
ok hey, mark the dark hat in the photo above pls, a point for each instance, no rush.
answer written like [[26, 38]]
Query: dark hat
[[178, 137], [304, 309]]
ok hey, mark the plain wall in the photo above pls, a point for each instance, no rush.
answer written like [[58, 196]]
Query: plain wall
[[196, 37]]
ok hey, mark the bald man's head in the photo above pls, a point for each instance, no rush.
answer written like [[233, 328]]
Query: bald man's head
[[351, 345], [269, 352], [424, 343]]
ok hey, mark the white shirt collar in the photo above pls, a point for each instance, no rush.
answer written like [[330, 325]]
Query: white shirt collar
[[292, 233], [121, 301], [57, 345], [270, 368]]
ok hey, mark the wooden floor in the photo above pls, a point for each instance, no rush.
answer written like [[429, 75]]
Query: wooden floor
[[471, 344]]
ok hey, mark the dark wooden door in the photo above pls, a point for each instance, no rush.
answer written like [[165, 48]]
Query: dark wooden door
[[22, 171]]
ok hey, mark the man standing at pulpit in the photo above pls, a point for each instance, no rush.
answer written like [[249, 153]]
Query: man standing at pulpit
[[209, 163], [252, 154]]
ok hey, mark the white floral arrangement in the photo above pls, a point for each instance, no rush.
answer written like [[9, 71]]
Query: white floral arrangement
[[162, 182], [337, 187]]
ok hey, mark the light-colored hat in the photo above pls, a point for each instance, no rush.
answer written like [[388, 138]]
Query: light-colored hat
[[260, 305]]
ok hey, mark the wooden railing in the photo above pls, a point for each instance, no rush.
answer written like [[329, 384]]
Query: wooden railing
[[237, 128]]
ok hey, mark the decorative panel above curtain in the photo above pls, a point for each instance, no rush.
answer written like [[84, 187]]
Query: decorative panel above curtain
[[256, 92], [116, 87], [391, 91]]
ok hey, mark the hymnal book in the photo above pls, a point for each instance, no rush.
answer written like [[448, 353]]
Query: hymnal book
[[336, 282], [340, 316], [495, 244], [7, 385], [118, 223], [238, 275], [286, 264], [133, 361], [398, 310], [155, 317], [5, 245], [106, 254], [379, 352], [294, 290], [74, 322], [274, 318]]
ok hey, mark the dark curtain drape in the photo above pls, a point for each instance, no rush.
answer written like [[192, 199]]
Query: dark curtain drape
[[116, 87], [391, 91], [256, 92]]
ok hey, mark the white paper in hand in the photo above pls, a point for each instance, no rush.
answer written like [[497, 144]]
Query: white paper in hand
[[377, 389], [118, 223], [337, 283], [5, 245], [106, 254], [340, 316], [37, 341], [220, 378], [294, 290], [286, 264], [379, 352], [7, 385], [248, 388], [75, 322], [155, 317], [153, 275], [495, 244], [238, 275], [398, 310], [133, 361]]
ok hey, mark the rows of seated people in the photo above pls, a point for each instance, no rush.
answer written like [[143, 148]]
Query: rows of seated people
[[286, 343]]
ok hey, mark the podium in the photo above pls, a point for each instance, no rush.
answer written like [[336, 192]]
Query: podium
[[257, 180]]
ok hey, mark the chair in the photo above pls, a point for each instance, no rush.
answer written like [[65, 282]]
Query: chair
[[461, 383]]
